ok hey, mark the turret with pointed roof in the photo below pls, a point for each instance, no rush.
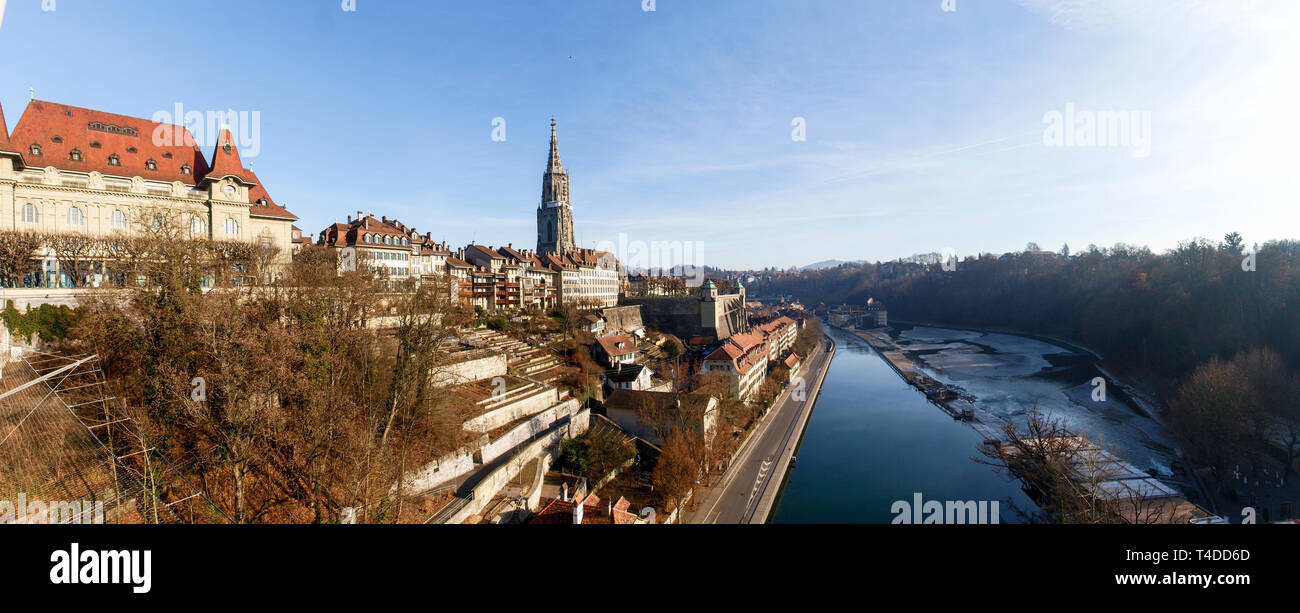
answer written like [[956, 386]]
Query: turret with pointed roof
[[4, 132], [7, 150]]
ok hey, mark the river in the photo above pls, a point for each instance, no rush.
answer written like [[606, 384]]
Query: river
[[874, 440]]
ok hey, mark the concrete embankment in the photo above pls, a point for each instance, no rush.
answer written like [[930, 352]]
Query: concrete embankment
[[951, 400]]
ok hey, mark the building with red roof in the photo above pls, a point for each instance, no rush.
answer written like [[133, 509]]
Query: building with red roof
[[743, 359], [589, 511], [616, 349], [66, 169]]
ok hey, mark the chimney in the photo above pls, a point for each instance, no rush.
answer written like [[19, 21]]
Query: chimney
[[349, 219], [577, 512], [359, 215], [564, 491]]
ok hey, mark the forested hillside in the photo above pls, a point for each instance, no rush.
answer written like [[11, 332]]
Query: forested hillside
[[1216, 333], [1153, 315]]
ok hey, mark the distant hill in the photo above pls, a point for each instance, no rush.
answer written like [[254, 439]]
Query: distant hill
[[824, 264]]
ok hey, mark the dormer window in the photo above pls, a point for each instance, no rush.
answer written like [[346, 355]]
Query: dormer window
[[114, 160], [36, 150], [56, 139], [75, 155], [226, 148], [167, 155], [132, 150], [95, 145], [186, 170], [151, 164]]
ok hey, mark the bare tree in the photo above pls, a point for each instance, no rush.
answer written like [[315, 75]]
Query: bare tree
[[679, 466], [76, 254], [17, 256]]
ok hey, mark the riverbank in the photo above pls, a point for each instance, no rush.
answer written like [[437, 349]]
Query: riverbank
[[1143, 399], [981, 358]]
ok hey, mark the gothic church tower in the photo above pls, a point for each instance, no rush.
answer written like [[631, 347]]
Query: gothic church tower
[[555, 214]]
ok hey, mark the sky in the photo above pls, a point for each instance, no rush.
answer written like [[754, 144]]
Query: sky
[[755, 133]]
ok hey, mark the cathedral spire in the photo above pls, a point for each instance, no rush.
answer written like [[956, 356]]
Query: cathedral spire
[[555, 214], [553, 164]]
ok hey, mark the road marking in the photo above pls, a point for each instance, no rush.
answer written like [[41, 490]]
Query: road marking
[[713, 514]]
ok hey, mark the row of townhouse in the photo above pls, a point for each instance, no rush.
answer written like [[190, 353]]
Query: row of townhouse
[[490, 278], [745, 359]]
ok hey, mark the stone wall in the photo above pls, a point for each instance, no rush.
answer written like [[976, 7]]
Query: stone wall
[[529, 405], [502, 476], [470, 370], [687, 316], [442, 470], [679, 315], [525, 431], [622, 318]]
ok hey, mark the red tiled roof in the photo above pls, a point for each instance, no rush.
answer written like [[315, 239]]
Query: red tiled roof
[[515, 254], [4, 132], [262, 205], [225, 159], [488, 252], [351, 233], [560, 512], [574, 258], [611, 344], [136, 142], [742, 350], [42, 121]]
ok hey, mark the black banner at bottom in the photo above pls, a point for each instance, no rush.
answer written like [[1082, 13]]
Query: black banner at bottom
[[305, 564]]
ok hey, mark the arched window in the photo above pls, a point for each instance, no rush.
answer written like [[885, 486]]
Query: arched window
[[197, 226], [74, 216], [119, 220], [232, 226], [31, 214]]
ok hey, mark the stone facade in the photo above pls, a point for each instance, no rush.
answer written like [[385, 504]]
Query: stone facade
[[67, 169], [708, 314]]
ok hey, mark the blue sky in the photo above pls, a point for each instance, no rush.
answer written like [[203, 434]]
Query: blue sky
[[924, 126]]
